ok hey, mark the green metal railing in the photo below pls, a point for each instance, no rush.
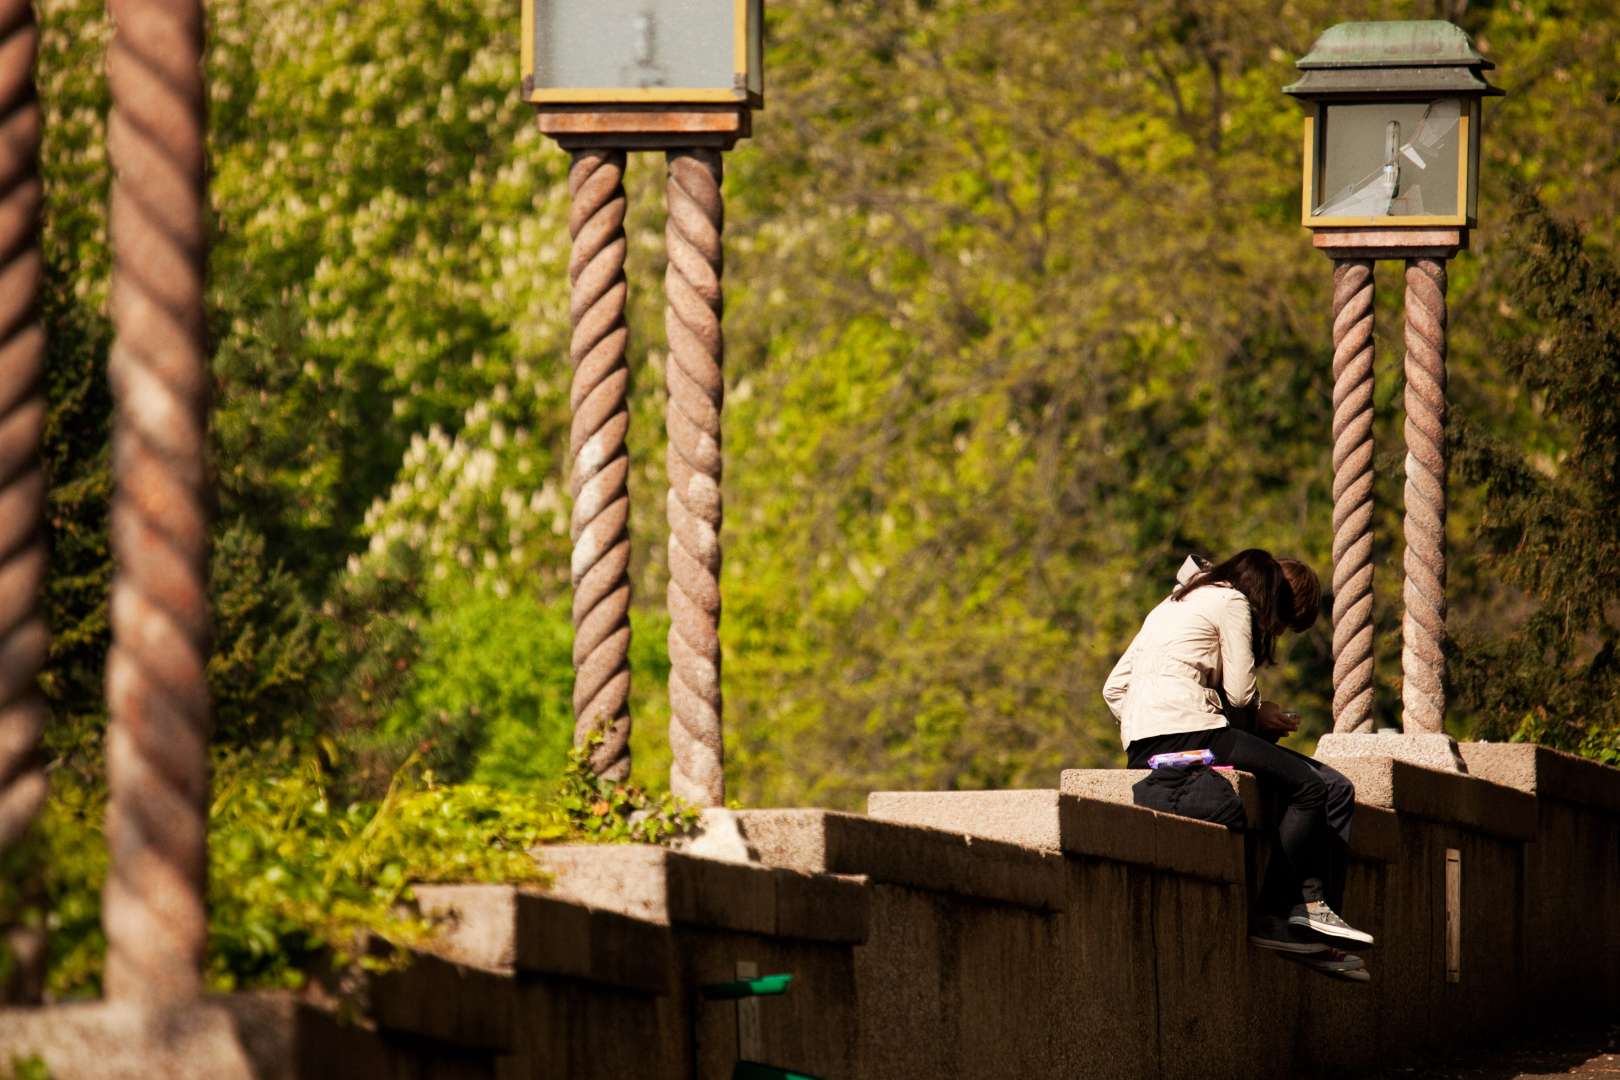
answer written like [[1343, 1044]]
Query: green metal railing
[[738, 990]]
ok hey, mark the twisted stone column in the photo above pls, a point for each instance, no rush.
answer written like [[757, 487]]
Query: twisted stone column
[[600, 465], [23, 636], [157, 691], [1423, 630], [1352, 494], [696, 390]]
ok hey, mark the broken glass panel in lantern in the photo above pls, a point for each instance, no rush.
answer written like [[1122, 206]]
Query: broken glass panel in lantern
[[1390, 159], [684, 44]]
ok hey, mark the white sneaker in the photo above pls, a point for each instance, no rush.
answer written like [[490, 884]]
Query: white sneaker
[[1316, 916]]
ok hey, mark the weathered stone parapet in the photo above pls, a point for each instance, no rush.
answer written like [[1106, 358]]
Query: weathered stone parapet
[[821, 841], [115, 1041], [1572, 876], [992, 934], [1061, 823], [1430, 750], [1114, 785], [1451, 798], [261, 1036], [671, 888], [508, 928], [444, 1001], [1032, 818], [1547, 774], [1375, 834]]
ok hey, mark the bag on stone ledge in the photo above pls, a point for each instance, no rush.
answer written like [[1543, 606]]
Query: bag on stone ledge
[[1196, 792]]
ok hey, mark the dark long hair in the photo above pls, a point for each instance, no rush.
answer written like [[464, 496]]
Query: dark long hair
[[1256, 575]]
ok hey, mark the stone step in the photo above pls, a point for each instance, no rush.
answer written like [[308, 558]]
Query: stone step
[[1452, 798], [1536, 770], [244, 1036], [507, 928], [673, 888], [1057, 822], [1114, 785], [1374, 835], [825, 841]]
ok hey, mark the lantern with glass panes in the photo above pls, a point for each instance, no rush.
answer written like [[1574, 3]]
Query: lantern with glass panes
[[1392, 125], [670, 63], [1391, 172], [607, 77]]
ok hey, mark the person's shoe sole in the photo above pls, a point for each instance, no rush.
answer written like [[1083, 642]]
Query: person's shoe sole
[[1356, 975], [1330, 964], [1294, 948], [1365, 940]]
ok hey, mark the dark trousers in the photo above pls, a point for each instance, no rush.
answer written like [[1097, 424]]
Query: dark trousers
[[1308, 804]]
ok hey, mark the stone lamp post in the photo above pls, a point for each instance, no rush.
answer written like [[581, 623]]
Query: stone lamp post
[[1391, 171], [609, 77]]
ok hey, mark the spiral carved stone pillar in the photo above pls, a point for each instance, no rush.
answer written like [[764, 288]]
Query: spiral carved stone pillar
[[694, 377], [153, 908], [1423, 630], [600, 466], [1352, 494], [23, 636]]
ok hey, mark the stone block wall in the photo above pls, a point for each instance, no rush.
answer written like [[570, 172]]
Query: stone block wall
[[1060, 932]]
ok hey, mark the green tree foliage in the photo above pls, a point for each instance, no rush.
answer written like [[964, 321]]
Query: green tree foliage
[[1077, 331], [489, 698], [77, 426], [1550, 672], [76, 463], [302, 880], [269, 655], [266, 664], [1018, 313]]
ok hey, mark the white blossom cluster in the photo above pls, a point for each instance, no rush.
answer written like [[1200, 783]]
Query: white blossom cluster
[[483, 506], [400, 192], [390, 237], [421, 214], [73, 37]]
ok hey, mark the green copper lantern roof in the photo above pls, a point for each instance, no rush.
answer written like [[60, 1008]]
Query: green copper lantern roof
[[1425, 43], [1371, 58]]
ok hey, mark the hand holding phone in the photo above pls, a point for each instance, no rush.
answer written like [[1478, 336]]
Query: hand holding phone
[[1274, 719]]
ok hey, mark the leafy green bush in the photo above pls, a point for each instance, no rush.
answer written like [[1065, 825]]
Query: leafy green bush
[[26, 1068], [299, 878], [270, 651], [489, 699], [1549, 672], [484, 691]]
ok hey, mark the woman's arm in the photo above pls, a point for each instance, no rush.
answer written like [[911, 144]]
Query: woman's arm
[[1237, 653], [1119, 683]]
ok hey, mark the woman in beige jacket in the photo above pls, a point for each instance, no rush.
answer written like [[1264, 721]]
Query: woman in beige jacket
[[1191, 667]]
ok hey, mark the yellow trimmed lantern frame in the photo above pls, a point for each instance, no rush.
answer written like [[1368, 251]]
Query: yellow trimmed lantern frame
[[641, 53], [1392, 126]]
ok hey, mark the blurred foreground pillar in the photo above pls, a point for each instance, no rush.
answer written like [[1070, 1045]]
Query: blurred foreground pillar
[[23, 636], [153, 908]]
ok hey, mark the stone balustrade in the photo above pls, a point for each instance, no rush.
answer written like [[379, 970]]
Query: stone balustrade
[[1058, 932]]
